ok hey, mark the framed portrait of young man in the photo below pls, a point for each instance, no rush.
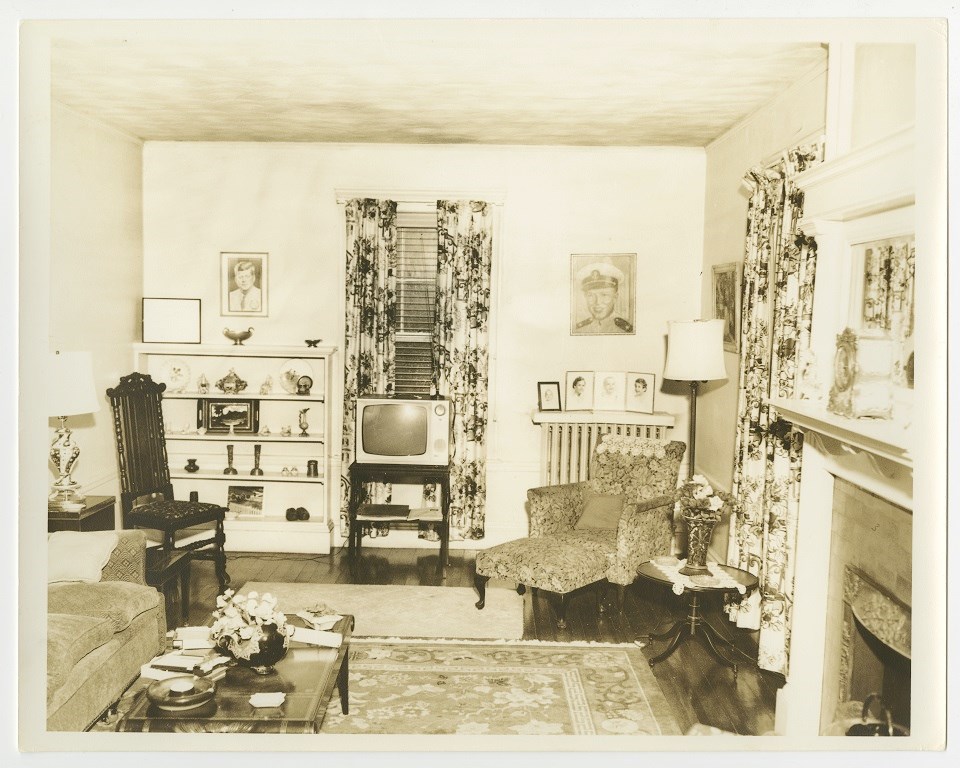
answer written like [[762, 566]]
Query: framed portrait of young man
[[243, 284], [603, 294]]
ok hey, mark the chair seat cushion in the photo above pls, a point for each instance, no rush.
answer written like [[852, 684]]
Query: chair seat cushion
[[174, 515], [554, 563]]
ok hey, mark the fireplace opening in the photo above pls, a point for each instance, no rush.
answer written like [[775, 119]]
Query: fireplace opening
[[879, 669]]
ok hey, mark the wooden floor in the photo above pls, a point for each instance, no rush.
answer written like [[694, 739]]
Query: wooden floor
[[698, 688]]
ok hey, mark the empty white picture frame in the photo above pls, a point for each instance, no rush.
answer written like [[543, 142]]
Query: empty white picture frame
[[174, 321]]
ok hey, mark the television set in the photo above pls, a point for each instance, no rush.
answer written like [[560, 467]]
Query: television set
[[403, 430]]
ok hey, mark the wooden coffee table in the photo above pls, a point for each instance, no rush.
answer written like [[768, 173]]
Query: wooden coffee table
[[307, 675]]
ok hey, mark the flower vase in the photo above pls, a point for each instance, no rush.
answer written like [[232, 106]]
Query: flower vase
[[229, 470], [699, 534], [256, 461], [273, 647]]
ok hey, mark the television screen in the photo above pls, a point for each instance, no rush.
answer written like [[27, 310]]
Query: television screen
[[394, 429]]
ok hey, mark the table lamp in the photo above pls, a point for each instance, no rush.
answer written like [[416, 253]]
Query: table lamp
[[70, 392], [694, 354]]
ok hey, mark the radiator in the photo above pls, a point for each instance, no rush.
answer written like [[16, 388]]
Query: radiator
[[566, 447]]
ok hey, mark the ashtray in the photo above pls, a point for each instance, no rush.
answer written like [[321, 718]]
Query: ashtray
[[180, 692]]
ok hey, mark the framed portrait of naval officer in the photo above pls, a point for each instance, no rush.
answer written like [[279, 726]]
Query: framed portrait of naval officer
[[603, 294]]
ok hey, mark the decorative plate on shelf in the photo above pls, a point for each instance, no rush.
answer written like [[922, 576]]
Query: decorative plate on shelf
[[175, 373], [181, 692], [290, 373]]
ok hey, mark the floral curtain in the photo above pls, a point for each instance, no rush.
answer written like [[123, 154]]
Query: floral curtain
[[460, 360], [778, 283], [371, 317]]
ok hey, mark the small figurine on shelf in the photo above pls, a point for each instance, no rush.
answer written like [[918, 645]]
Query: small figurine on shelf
[[203, 385], [303, 423], [264, 430], [267, 387], [286, 430], [231, 384], [313, 468]]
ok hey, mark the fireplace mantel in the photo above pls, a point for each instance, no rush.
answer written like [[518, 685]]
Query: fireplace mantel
[[880, 439]]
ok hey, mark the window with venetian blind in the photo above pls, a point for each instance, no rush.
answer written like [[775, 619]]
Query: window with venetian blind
[[416, 297]]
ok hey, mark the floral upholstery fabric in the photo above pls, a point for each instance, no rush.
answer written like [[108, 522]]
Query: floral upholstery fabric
[[644, 472], [550, 562]]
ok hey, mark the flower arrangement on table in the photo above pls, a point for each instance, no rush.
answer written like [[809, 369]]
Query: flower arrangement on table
[[243, 622], [699, 499], [701, 506]]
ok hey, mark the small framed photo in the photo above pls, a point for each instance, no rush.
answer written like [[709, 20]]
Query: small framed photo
[[242, 417], [640, 389], [608, 391], [603, 294], [726, 302], [243, 284], [579, 391], [245, 500], [548, 395], [174, 321]]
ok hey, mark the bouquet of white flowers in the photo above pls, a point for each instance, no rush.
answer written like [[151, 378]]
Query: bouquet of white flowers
[[700, 499], [242, 622]]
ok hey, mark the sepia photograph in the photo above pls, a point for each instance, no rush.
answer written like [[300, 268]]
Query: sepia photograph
[[270, 272]]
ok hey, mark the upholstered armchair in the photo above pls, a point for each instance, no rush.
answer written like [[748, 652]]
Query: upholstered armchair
[[598, 530]]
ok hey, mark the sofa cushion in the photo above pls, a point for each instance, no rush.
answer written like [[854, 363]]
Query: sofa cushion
[[118, 601], [76, 556], [600, 510], [69, 639]]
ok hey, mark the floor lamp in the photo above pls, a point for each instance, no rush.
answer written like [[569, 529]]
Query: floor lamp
[[70, 392], [694, 354]]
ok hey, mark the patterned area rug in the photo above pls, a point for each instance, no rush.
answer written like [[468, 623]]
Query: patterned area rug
[[478, 689], [408, 611]]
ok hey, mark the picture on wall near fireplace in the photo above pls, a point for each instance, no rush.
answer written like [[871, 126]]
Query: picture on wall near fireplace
[[603, 294], [243, 284], [726, 302]]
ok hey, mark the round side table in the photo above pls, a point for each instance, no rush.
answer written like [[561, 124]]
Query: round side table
[[693, 624]]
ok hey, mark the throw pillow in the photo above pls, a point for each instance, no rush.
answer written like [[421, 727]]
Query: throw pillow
[[600, 510], [78, 556]]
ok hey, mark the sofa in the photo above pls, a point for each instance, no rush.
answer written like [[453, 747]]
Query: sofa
[[103, 623]]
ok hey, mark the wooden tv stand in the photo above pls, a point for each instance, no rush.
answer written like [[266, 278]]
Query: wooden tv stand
[[403, 474]]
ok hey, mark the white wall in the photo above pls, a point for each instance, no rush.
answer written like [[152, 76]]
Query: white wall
[[95, 271], [204, 198], [796, 114]]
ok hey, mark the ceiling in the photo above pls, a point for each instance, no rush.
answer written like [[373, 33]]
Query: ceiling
[[537, 82]]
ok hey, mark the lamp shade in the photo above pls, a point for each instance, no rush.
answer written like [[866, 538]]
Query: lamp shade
[[695, 351], [70, 387]]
